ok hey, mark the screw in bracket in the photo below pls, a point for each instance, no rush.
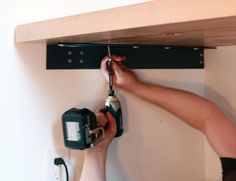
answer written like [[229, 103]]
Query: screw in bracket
[[81, 61], [69, 61]]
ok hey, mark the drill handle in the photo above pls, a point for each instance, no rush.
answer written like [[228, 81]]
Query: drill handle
[[118, 117]]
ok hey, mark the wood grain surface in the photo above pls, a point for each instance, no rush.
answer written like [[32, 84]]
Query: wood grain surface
[[163, 22]]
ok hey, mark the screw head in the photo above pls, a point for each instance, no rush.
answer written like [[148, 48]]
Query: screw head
[[69, 60], [81, 61]]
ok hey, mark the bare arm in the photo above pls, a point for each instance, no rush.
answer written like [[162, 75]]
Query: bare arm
[[94, 166], [196, 111]]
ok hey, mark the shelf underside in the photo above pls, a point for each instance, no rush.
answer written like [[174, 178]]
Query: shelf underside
[[164, 22]]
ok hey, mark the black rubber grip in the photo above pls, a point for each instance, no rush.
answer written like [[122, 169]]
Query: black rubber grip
[[118, 117]]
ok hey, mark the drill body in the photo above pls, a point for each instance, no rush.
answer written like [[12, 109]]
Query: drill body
[[113, 106], [80, 129]]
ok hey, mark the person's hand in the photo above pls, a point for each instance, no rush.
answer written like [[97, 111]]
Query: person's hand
[[108, 122], [122, 76], [94, 166]]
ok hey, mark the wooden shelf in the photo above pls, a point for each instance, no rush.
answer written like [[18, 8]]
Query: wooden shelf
[[163, 22]]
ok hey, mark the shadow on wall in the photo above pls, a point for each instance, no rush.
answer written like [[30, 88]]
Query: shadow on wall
[[224, 105]]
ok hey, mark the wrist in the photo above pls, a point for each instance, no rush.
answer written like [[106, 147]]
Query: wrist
[[134, 86], [97, 151], [95, 156], [94, 166]]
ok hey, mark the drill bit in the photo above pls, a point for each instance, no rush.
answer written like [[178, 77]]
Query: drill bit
[[109, 65]]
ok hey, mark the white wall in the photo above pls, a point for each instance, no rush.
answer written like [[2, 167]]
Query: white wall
[[220, 79], [156, 145]]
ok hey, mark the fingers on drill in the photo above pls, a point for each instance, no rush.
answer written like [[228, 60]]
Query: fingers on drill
[[101, 119], [103, 67], [116, 58], [111, 124], [107, 121], [117, 69]]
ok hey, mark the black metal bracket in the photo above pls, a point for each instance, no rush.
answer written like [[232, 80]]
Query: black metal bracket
[[88, 56]]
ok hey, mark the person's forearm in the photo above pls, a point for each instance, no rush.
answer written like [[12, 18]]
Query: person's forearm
[[189, 107], [198, 112], [94, 167]]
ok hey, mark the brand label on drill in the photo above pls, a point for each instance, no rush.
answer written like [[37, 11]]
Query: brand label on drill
[[73, 133]]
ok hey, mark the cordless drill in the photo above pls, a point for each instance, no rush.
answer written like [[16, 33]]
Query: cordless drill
[[112, 102], [80, 127]]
